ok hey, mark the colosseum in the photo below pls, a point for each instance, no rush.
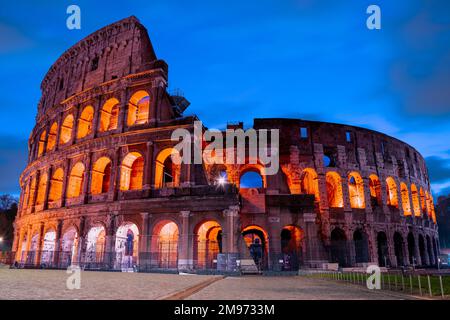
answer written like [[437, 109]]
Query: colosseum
[[101, 189]]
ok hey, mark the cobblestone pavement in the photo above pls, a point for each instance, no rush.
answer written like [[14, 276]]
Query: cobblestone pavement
[[288, 288], [49, 284]]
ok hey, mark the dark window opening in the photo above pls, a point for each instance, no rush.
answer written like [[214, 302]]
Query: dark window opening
[[94, 64], [348, 136], [303, 133], [61, 84]]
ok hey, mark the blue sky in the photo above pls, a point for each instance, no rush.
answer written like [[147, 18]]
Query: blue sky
[[237, 60]]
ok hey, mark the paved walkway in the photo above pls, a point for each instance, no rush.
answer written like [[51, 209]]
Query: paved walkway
[[49, 284]]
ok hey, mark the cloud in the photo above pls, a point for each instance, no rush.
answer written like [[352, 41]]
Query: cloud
[[13, 159], [439, 169]]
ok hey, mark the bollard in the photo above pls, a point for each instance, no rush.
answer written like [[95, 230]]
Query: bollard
[[389, 281], [429, 285], [442, 287], [403, 283], [420, 285], [395, 280]]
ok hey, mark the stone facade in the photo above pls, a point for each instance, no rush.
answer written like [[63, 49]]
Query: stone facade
[[100, 188]]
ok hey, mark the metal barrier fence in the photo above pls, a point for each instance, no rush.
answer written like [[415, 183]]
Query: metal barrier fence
[[431, 285]]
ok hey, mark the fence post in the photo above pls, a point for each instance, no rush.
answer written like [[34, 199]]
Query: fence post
[[389, 281], [442, 287], [429, 285], [420, 285], [403, 283], [410, 283]]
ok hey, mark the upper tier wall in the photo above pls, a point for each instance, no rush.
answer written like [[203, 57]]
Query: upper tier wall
[[114, 51]]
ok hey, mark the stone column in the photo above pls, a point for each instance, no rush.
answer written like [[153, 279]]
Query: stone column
[[47, 187], [96, 119], [57, 250], [87, 178], [231, 236], [367, 198], [417, 250], [123, 111], [185, 261], [58, 133], [274, 234], [148, 169], [315, 254], [35, 191], [117, 172], [76, 115], [37, 258], [65, 182], [144, 238], [109, 257]]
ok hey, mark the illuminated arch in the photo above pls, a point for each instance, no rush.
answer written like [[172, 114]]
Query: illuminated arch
[[101, 175], [164, 244], [356, 190], [406, 205], [109, 115], [433, 213], [167, 172], [51, 143], [69, 247], [95, 248], [428, 203], [208, 244], [423, 204], [415, 200], [56, 185], [48, 247], [42, 186], [309, 183], [291, 241], [41, 145], [32, 192], [375, 190], [76, 178], [255, 235], [127, 245], [138, 108], [132, 172], [334, 190], [85, 122], [66, 129], [392, 192]]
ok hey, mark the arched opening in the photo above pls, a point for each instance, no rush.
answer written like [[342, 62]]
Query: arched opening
[[208, 245], [430, 251], [167, 172], [95, 247], [66, 129], [251, 179], [398, 248], [412, 249], [428, 203], [138, 108], [132, 172], [101, 176], [85, 122], [48, 248], [435, 248], [109, 118], [361, 246], [375, 191], [291, 247], [433, 213], [76, 178], [42, 186], [339, 248], [41, 145], [32, 192], [255, 239], [392, 193], [406, 205], [127, 246], [56, 185], [382, 248], [334, 190], [69, 248], [423, 203], [165, 245], [33, 251], [51, 142], [422, 249], [356, 190], [415, 200], [309, 183]]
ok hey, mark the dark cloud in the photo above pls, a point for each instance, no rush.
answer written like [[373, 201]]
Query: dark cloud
[[13, 158], [439, 169]]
